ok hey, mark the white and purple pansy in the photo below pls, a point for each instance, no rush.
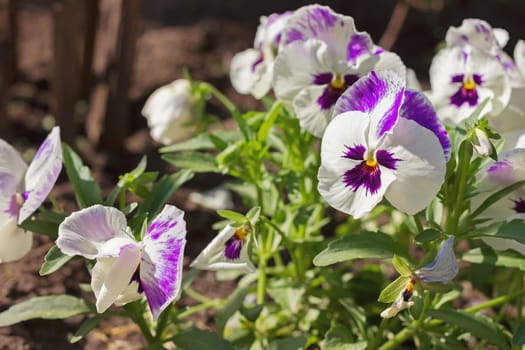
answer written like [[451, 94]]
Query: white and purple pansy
[[461, 78], [509, 169], [519, 57], [320, 56], [227, 251], [383, 141], [251, 70], [126, 268], [23, 190], [480, 35]]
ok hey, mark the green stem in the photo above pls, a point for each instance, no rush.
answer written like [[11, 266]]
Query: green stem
[[461, 184], [197, 296], [261, 281], [134, 310], [197, 308], [418, 223], [221, 97]]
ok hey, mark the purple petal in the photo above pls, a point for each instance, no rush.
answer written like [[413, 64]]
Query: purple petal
[[378, 94], [309, 22], [416, 107], [323, 78], [85, 232], [328, 98], [42, 174], [444, 267], [161, 266], [359, 44], [233, 247]]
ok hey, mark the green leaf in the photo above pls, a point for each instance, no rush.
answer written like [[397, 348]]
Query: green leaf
[[519, 336], [198, 162], [478, 325], [489, 257], [269, 120], [362, 245], [87, 191], [202, 340], [42, 227], [162, 191], [392, 291], [493, 198], [401, 266], [199, 142], [53, 260], [427, 235], [339, 338], [48, 307], [290, 343], [87, 326], [510, 230], [251, 313], [233, 304], [233, 216]]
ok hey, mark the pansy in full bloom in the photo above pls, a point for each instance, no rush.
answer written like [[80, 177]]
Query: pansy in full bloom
[[227, 251], [479, 34], [442, 269], [461, 78], [169, 111], [384, 140], [24, 189], [321, 55], [509, 169], [251, 70], [126, 268]]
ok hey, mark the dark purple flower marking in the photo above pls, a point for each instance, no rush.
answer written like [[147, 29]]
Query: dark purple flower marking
[[336, 85], [233, 246], [359, 45], [367, 173], [157, 228], [467, 92], [519, 205], [136, 278], [257, 62]]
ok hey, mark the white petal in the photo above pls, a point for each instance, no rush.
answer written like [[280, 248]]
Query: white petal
[[42, 174], [12, 169], [421, 169], [412, 81], [296, 66], [111, 277], [443, 268], [161, 266], [129, 294], [519, 57], [242, 73], [392, 62], [87, 231], [167, 111], [213, 258], [14, 241], [477, 33], [311, 117]]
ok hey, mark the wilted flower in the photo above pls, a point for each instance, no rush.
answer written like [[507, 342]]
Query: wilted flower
[[383, 141], [402, 301], [321, 55], [23, 190], [251, 70], [169, 112], [443, 269], [506, 171], [126, 268], [461, 78], [481, 143], [227, 251]]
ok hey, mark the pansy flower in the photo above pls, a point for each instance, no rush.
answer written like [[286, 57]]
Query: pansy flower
[[321, 55], [509, 169], [442, 269], [461, 78], [227, 251], [23, 190], [126, 268], [479, 34], [384, 141], [169, 111], [251, 70]]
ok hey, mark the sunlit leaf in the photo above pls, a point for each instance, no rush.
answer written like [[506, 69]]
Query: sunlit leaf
[[392, 291], [53, 261]]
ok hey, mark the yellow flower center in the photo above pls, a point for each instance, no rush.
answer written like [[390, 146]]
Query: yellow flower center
[[337, 82], [469, 84], [371, 162], [241, 233]]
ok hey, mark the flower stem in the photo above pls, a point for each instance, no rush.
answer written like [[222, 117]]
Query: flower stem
[[461, 184], [221, 97]]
